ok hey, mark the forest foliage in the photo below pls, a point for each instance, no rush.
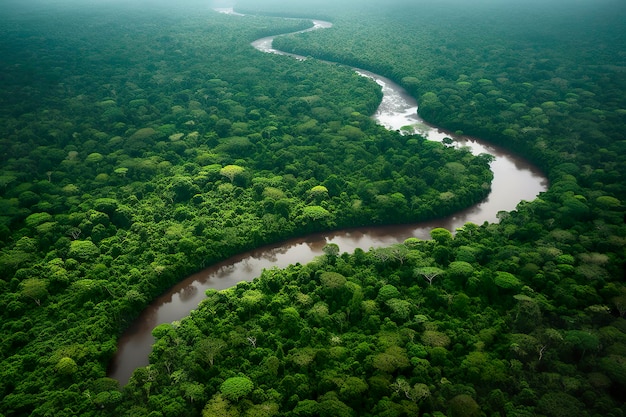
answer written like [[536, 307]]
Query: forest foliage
[[139, 145], [144, 150], [432, 327]]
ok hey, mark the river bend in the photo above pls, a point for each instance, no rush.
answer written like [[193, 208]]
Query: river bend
[[514, 180]]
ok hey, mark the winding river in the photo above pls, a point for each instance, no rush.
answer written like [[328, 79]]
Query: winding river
[[514, 180]]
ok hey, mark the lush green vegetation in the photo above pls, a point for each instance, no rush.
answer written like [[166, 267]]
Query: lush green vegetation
[[139, 144], [442, 326], [542, 78]]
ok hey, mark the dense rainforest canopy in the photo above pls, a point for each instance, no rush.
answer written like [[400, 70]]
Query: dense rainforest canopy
[[141, 142]]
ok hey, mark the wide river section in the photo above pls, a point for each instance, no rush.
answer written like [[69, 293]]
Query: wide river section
[[514, 180]]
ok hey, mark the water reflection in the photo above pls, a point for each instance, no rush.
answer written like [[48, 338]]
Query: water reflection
[[188, 293]]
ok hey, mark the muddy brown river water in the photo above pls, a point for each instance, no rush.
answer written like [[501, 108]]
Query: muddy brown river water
[[514, 180]]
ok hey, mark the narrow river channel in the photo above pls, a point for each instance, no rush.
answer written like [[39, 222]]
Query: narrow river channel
[[514, 180]]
